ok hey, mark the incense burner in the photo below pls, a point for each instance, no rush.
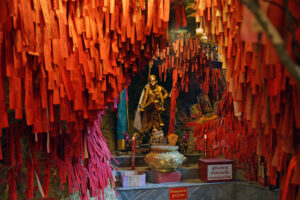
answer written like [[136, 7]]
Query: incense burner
[[164, 158]]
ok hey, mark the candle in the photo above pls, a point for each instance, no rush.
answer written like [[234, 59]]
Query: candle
[[205, 150], [133, 153]]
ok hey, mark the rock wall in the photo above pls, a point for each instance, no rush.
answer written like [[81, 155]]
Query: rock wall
[[108, 128]]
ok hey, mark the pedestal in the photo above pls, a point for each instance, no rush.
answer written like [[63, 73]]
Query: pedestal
[[163, 177]]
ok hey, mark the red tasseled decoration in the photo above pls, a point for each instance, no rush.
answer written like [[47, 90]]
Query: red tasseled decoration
[[160, 70], [10, 141], [46, 179], [18, 145], [30, 176], [70, 183], [63, 176], [288, 189], [272, 176], [180, 16], [174, 96], [184, 23], [177, 17], [295, 105], [1, 156], [52, 82], [12, 184]]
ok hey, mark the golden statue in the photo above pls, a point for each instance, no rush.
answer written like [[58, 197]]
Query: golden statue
[[152, 105]]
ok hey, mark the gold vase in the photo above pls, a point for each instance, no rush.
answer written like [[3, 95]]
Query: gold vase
[[164, 158]]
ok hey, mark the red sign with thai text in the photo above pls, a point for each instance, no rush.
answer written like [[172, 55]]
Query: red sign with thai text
[[178, 193]]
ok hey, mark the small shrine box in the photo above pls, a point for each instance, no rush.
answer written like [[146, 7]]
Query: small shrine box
[[215, 170], [163, 177], [132, 179]]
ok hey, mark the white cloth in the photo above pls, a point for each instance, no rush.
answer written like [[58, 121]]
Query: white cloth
[[137, 123]]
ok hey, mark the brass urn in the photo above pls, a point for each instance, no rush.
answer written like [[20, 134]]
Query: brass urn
[[164, 158]]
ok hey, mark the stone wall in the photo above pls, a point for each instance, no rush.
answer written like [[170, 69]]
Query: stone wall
[[108, 128]]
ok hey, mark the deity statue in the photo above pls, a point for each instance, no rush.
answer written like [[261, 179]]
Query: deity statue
[[152, 104]]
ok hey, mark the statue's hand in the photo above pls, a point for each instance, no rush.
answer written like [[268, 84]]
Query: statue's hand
[[162, 107], [141, 108]]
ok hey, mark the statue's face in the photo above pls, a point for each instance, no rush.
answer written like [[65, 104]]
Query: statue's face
[[152, 81]]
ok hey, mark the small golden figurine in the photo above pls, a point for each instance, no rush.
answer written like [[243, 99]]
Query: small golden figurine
[[152, 105], [172, 139]]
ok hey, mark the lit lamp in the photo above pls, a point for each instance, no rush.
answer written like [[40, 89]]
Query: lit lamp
[[204, 39], [202, 36], [199, 31]]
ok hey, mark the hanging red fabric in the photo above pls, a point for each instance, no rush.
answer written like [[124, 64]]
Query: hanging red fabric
[[286, 189], [174, 95], [30, 177], [12, 184]]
